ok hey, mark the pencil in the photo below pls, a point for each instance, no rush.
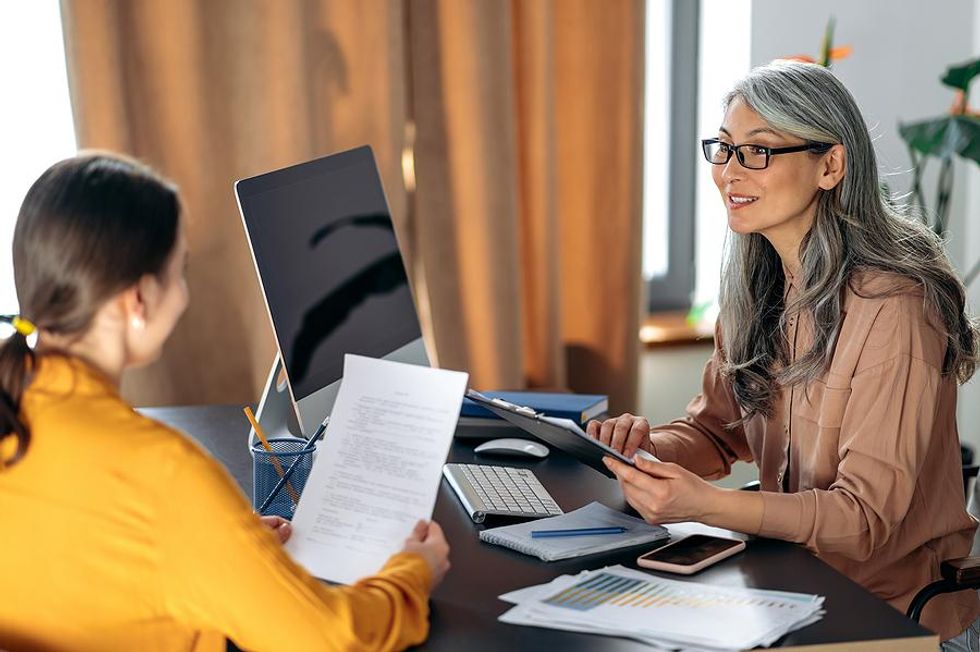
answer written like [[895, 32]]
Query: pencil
[[268, 448], [310, 444]]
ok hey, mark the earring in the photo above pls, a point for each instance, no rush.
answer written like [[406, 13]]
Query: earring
[[137, 323]]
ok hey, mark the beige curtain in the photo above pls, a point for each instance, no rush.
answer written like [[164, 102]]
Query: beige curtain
[[521, 233], [529, 163], [210, 92]]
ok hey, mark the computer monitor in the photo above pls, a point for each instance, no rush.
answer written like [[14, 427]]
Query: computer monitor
[[333, 278]]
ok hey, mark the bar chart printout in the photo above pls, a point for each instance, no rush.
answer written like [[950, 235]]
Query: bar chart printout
[[618, 591], [625, 602]]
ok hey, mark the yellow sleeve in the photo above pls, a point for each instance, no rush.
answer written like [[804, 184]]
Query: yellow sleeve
[[222, 569]]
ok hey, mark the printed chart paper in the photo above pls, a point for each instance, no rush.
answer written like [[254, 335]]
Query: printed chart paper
[[662, 613]]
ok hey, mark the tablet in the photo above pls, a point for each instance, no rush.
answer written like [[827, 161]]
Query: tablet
[[563, 434]]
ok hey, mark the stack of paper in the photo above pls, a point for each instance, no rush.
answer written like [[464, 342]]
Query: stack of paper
[[665, 614]]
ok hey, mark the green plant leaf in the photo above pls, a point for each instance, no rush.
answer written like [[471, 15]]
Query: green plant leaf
[[944, 137], [968, 137], [960, 76], [927, 137], [828, 43]]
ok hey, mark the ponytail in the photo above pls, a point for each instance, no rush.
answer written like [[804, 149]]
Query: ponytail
[[17, 360], [81, 213]]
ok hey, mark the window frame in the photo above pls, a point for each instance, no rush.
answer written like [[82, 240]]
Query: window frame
[[675, 289]]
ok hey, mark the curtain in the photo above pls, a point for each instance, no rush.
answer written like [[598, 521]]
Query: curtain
[[528, 166], [508, 137], [210, 92]]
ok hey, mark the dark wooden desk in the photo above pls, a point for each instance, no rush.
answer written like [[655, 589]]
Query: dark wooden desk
[[465, 606]]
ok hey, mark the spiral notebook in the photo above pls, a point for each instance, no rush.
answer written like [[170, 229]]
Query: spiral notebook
[[518, 537]]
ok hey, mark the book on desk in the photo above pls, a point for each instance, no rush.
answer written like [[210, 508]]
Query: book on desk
[[475, 422]]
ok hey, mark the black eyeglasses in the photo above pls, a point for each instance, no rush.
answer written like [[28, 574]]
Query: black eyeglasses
[[754, 157]]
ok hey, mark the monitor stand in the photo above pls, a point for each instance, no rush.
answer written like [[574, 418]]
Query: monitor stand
[[278, 416], [275, 412]]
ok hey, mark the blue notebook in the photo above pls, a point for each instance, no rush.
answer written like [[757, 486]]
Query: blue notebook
[[577, 407]]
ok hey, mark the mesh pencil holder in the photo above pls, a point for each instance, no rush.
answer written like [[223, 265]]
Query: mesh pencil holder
[[266, 475]]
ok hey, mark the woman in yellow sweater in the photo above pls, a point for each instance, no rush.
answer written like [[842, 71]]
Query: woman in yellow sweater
[[119, 532]]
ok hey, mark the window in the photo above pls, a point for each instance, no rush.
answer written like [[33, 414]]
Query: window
[[695, 52], [36, 126], [655, 137], [725, 28], [669, 133]]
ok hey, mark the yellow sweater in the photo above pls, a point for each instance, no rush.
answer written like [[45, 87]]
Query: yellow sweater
[[120, 533]]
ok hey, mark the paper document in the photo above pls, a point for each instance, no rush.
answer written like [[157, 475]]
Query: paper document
[[378, 468], [663, 613]]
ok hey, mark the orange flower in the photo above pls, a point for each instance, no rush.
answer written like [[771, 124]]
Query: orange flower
[[836, 54]]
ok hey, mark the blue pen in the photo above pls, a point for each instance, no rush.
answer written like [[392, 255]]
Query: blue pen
[[292, 467], [578, 532]]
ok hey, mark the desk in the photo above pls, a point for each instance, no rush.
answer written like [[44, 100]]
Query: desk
[[465, 605]]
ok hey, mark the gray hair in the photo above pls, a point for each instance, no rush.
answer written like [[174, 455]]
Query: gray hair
[[856, 229]]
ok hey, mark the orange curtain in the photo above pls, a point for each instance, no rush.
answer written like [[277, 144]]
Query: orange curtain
[[599, 86], [210, 92], [521, 228], [528, 163]]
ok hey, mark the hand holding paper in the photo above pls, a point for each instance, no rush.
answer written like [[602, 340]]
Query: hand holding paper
[[428, 541], [378, 468]]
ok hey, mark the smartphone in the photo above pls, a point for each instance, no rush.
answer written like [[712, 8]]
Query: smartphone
[[690, 554]]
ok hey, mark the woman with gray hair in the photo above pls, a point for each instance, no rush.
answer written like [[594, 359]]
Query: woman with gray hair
[[841, 340]]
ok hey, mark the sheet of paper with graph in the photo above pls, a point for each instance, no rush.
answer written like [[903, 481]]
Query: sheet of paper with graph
[[619, 601]]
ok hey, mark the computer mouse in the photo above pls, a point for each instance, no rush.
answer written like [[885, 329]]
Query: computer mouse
[[512, 447]]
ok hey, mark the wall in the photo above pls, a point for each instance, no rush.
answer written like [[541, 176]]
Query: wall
[[669, 378], [968, 417]]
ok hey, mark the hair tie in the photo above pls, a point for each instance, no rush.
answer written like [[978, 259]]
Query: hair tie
[[21, 325]]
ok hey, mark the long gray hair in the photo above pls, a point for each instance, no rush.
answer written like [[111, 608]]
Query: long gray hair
[[856, 228]]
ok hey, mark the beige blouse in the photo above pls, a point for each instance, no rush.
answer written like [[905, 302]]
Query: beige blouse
[[862, 466]]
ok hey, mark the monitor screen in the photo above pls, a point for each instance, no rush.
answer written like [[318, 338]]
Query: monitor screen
[[329, 265]]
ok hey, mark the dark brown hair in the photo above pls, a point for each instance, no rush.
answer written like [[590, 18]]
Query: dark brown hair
[[90, 227]]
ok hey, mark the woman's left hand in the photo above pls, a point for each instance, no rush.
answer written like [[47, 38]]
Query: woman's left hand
[[663, 492], [279, 525]]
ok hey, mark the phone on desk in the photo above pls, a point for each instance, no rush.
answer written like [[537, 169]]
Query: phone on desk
[[690, 554]]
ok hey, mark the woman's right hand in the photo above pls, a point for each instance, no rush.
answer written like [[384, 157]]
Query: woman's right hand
[[428, 541], [625, 433]]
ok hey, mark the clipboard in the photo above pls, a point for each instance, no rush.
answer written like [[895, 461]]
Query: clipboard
[[563, 434]]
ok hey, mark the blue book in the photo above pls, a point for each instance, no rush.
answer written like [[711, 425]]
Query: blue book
[[577, 407]]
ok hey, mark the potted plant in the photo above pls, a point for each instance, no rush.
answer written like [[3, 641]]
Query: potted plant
[[954, 134]]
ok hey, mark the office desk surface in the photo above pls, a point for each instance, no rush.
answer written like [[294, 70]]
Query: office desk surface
[[465, 606]]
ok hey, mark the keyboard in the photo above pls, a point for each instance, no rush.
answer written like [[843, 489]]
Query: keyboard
[[488, 490]]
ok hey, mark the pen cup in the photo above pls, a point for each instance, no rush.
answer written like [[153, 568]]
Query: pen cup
[[265, 475]]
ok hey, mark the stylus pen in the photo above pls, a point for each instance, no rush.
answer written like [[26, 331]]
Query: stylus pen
[[578, 532]]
